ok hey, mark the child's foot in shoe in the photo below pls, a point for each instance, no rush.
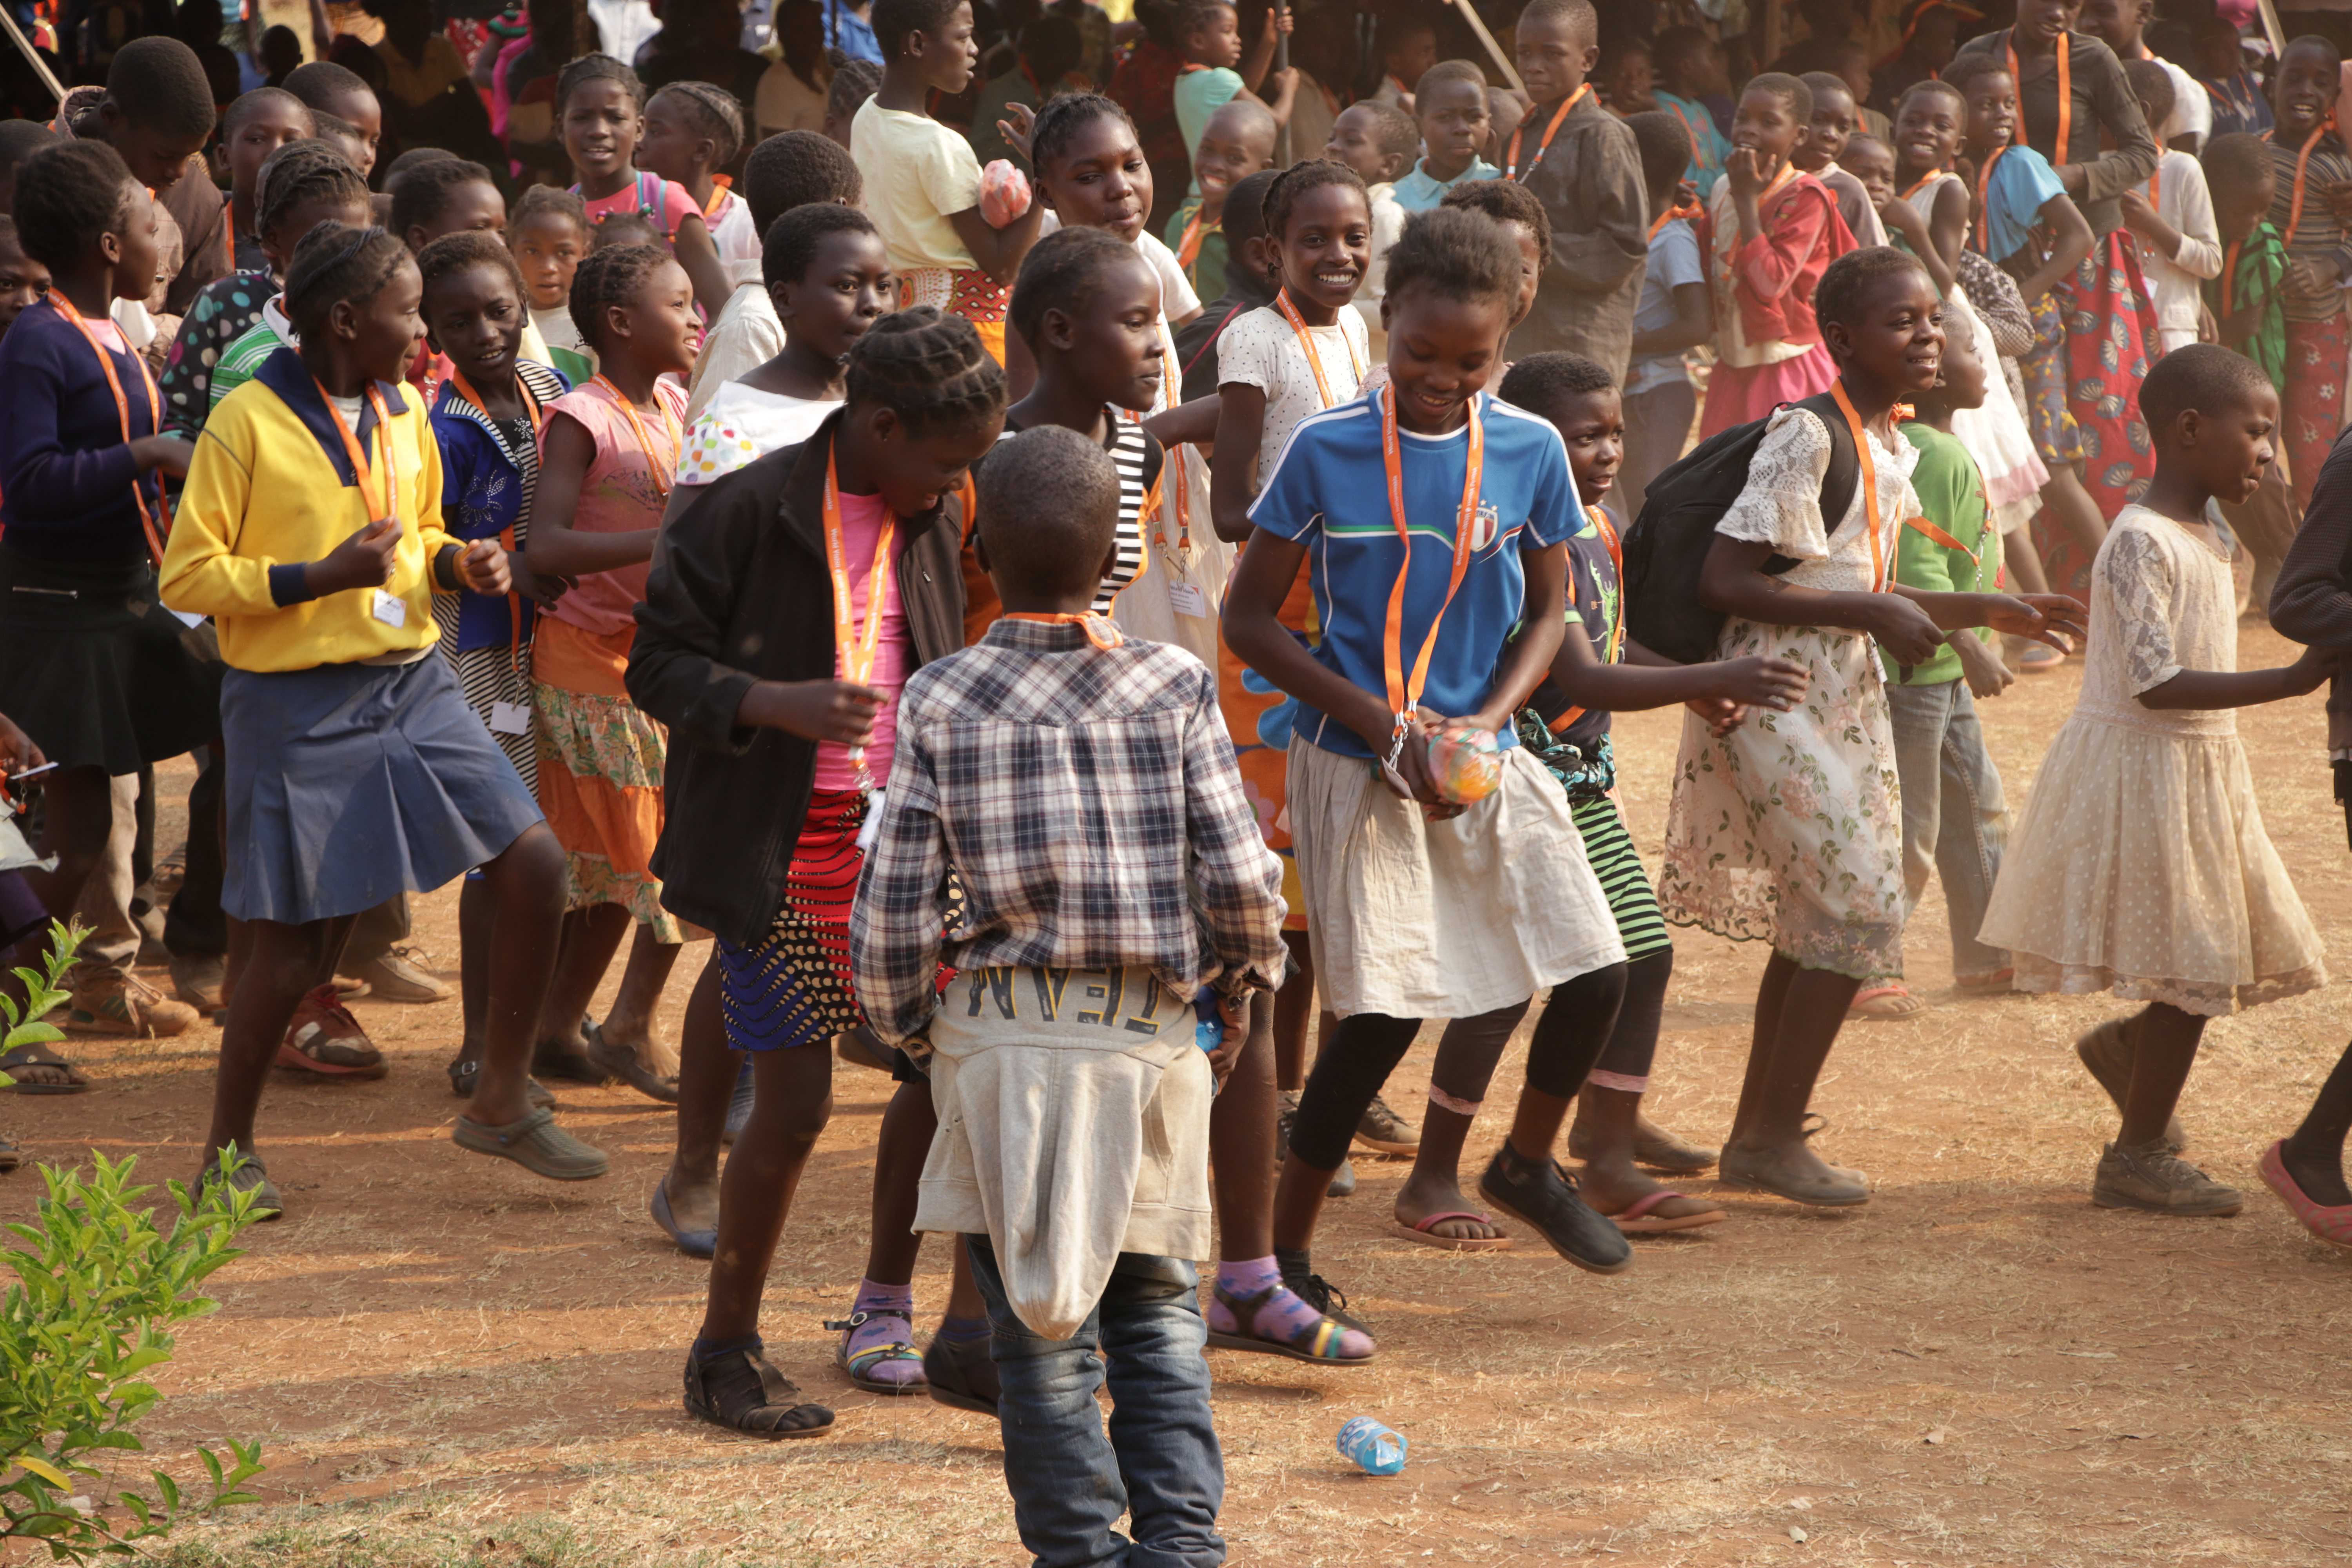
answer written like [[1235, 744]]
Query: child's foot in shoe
[[1637, 1205], [961, 1369], [2152, 1178], [625, 1045], [2320, 1177], [878, 1348], [1792, 1170], [1537, 1193], [737, 1387], [1384, 1132], [1252, 1310]]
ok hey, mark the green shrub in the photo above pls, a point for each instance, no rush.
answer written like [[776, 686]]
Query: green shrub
[[99, 1287]]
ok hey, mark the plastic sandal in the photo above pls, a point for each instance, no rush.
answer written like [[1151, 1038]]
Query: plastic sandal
[[39, 1056], [754, 1397], [693, 1243], [1884, 1002], [860, 1367], [1312, 1342], [622, 1063], [2330, 1224], [1422, 1233], [1640, 1217]]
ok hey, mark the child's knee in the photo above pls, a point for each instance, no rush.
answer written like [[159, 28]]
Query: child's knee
[[530, 869]]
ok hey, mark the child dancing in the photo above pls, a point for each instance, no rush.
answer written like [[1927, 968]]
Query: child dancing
[[1791, 833], [311, 531], [2140, 865], [1057, 767]]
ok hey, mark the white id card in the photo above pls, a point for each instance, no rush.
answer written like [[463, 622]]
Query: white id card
[[1186, 599], [510, 718], [391, 609]]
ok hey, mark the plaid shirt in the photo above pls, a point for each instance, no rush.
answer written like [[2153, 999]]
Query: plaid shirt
[[1088, 803]]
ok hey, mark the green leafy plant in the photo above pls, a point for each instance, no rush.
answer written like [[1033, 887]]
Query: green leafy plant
[[99, 1284], [43, 991]]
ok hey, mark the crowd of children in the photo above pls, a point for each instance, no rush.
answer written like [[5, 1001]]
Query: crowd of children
[[1069, 695]]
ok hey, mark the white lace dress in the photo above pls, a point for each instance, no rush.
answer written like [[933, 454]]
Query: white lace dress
[[2140, 865], [1788, 829]]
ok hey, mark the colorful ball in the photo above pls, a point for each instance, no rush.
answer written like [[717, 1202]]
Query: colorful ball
[[1465, 764]]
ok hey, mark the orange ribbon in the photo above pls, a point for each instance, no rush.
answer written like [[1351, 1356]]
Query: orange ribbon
[[2066, 93], [537, 418], [1511, 158], [384, 502], [855, 651], [663, 472], [1869, 487], [1403, 692], [155, 535], [1188, 247], [1616, 648], [1307, 345]]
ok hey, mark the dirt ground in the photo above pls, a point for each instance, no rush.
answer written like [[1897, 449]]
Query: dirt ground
[[450, 1362]]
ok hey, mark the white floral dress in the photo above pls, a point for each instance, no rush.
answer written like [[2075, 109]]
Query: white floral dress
[[2140, 865], [1788, 829]]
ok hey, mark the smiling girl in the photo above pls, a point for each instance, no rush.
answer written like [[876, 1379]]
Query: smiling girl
[[600, 109], [2307, 160], [1775, 231], [1788, 830]]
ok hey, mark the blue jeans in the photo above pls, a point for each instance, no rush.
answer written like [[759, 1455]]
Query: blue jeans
[[1954, 819], [1160, 1462]]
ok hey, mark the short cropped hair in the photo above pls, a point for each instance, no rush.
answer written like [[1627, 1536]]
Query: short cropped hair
[[2206, 378], [1541, 383], [1664, 144], [794, 169], [1456, 255], [1507, 201], [792, 241], [466, 249], [159, 81], [1048, 507], [1789, 89], [1851, 276], [1445, 72]]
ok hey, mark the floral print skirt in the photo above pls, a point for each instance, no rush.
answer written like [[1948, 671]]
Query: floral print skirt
[[1789, 829], [2314, 398], [600, 784]]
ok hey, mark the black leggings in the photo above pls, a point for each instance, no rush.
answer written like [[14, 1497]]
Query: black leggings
[[1575, 1027]]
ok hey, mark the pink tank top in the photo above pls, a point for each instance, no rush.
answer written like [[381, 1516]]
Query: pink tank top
[[620, 494], [861, 529]]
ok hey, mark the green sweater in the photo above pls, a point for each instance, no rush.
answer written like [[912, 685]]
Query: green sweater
[[1952, 494]]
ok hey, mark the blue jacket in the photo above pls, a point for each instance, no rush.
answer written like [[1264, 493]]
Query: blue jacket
[[486, 488]]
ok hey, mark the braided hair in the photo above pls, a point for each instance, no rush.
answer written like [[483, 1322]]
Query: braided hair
[[1063, 271], [68, 197], [1060, 120], [597, 67], [606, 277], [336, 262], [542, 199], [855, 81], [1295, 182], [462, 251], [928, 368], [300, 173], [715, 113], [1508, 202]]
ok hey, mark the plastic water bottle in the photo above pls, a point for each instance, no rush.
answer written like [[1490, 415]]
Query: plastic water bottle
[[1378, 1450]]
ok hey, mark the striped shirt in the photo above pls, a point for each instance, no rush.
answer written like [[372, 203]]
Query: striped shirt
[[1138, 456]]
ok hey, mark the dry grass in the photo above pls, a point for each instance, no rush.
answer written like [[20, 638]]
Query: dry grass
[[450, 1364]]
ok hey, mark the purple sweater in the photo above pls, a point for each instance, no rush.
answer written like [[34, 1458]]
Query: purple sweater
[[66, 474]]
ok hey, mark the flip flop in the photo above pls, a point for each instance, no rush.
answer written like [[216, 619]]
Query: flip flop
[[1998, 984], [2332, 1225], [40, 1056], [693, 1243], [1420, 1232], [1637, 1218], [1884, 1002]]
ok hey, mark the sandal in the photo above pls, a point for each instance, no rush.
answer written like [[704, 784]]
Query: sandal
[[693, 1243], [1653, 1146], [40, 1056], [462, 1074], [1421, 1234], [537, 1144], [11, 1157], [860, 1366], [1884, 1002], [557, 1058], [1312, 1342], [621, 1062], [1641, 1216], [2330, 1224], [750, 1395], [1999, 983]]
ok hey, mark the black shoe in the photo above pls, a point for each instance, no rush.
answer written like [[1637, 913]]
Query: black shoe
[[1540, 1194], [961, 1375], [1314, 1290], [740, 1389]]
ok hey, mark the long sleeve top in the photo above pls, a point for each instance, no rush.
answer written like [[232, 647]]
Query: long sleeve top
[[271, 489], [1766, 284], [2312, 600], [2102, 100], [2183, 200], [2314, 233], [1589, 182], [1088, 801], [65, 472]]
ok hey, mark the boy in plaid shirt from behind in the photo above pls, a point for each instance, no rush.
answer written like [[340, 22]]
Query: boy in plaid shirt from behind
[[1115, 886]]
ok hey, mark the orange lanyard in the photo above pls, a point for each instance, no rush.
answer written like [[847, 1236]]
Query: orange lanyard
[[718, 184], [1929, 178], [1616, 643], [1976, 557], [1984, 197], [2066, 93], [155, 535], [2156, 182], [1098, 628], [1170, 458], [1690, 130], [1307, 345], [856, 652], [1188, 247], [2230, 277], [1869, 488], [1403, 692], [529, 400], [663, 472], [2301, 167], [1511, 159], [1686, 210], [384, 500]]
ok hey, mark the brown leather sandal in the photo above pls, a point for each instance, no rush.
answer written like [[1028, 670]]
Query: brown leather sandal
[[740, 1390]]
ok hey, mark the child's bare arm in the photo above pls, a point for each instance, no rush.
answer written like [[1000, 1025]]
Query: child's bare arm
[[1655, 681], [1903, 220], [1233, 469], [1254, 602], [1733, 581], [2195, 689], [1693, 323], [1196, 422], [1528, 659], [2074, 233], [697, 253], [998, 251], [556, 548], [2052, 618]]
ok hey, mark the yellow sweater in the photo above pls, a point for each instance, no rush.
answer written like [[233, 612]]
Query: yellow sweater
[[269, 487]]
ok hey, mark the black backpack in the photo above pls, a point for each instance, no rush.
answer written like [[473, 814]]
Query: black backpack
[[1665, 549]]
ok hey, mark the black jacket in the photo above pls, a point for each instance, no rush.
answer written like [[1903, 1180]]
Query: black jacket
[[740, 593]]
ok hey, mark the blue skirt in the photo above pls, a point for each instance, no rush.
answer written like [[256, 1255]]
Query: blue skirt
[[350, 783]]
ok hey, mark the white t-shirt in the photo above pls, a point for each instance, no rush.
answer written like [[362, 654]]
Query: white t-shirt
[[2192, 110], [731, 229], [746, 335], [918, 172], [1260, 350], [742, 426], [2183, 200]]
